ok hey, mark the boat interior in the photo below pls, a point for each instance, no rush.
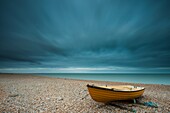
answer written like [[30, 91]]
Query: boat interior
[[123, 88]]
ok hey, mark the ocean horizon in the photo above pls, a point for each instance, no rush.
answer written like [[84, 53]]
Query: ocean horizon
[[145, 78]]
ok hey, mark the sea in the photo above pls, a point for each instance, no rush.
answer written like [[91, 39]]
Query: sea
[[146, 78]]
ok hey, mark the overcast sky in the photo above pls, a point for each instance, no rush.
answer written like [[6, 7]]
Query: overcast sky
[[84, 36]]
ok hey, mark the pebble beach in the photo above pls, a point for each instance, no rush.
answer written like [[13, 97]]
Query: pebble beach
[[23, 93]]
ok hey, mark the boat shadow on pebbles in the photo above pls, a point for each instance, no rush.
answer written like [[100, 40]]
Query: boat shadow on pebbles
[[129, 105]]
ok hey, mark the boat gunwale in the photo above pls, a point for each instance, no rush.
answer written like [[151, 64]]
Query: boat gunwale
[[97, 87]]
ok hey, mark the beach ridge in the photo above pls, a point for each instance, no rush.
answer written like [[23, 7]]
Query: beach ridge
[[29, 93]]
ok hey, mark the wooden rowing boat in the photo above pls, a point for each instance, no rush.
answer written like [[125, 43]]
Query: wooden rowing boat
[[107, 94]]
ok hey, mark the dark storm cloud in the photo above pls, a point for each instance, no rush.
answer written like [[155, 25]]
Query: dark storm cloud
[[85, 33]]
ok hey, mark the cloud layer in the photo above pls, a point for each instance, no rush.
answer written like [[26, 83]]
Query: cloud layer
[[85, 34]]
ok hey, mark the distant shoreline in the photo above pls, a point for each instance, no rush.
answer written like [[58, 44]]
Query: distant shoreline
[[92, 73], [75, 76]]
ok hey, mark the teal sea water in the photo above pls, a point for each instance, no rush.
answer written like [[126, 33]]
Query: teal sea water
[[125, 77]]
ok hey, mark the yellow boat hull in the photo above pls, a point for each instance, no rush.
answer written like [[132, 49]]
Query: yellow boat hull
[[106, 95]]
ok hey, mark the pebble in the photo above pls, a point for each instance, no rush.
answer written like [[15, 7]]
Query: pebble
[[13, 95], [47, 98], [59, 98]]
